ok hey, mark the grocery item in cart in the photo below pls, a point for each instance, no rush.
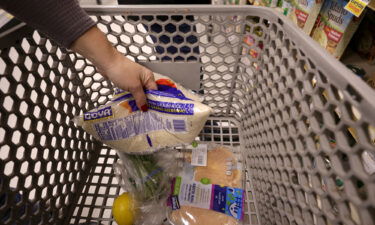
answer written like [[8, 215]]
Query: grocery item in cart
[[146, 178], [304, 13], [335, 26], [142, 175], [173, 118], [223, 171], [124, 209]]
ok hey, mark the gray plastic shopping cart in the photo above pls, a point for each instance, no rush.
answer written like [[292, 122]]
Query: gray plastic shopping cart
[[304, 123]]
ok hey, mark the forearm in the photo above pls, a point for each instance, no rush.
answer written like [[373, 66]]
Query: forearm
[[66, 23], [94, 46], [123, 72]]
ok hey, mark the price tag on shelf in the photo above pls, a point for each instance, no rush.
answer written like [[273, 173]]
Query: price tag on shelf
[[356, 7]]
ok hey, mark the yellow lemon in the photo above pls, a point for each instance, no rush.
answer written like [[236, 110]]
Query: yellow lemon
[[123, 209]]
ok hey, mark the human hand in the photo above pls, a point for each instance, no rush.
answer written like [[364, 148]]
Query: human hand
[[123, 72], [132, 77]]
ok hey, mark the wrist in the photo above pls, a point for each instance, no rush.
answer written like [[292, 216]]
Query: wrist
[[110, 61]]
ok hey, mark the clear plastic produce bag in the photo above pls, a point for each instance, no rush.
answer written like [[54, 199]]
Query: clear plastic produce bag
[[147, 178]]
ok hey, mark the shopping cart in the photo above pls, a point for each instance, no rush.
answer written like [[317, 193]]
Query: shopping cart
[[304, 123]]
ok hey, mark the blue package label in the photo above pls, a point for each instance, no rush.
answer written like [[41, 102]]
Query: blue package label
[[166, 107], [160, 106], [228, 200], [98, 114], [223, 199], [172, 107], [137, 124], [123, 97], [170, 93], [163, 91], [219, 198], [235, 202]]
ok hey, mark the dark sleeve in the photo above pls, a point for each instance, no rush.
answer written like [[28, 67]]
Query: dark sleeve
[[61, 20]]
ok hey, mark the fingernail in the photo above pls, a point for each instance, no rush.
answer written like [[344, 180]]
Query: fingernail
[[144, 108]]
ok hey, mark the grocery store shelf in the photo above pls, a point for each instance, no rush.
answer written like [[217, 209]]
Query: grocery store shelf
[[351, 57], [371, 5]]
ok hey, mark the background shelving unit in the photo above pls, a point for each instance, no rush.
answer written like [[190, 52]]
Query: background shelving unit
[[372, 5], [350, 56]]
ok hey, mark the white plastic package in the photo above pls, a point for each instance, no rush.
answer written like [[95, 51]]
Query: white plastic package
[[208, 194], [175, 116]]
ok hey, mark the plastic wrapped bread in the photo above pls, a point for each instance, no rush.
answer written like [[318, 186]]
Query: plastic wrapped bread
[[222, 169]]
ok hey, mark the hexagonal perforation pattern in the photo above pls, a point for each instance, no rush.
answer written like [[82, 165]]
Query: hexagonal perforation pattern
[[283, 101], [43, 156], [96, 199], [210, 40], [308, 145]]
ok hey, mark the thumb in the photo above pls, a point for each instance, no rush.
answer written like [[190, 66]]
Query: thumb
[[140, 98], [148, 80]]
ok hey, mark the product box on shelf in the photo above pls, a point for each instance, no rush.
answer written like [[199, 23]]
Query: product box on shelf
[[304, 13], [335, 26]]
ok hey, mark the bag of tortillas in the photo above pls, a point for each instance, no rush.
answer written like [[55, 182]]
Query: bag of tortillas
[[175, 116]]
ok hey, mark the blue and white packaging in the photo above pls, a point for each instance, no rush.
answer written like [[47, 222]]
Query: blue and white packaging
[[175, 116]]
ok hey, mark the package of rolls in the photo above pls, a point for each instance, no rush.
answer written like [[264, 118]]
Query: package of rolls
[[208, 189]]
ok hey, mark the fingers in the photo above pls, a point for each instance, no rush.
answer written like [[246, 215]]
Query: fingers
[[134, 78], [140, 97], [149, 80]]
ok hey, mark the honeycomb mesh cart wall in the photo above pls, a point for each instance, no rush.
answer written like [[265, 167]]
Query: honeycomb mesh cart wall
[[304, 123]]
